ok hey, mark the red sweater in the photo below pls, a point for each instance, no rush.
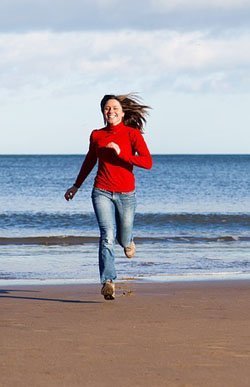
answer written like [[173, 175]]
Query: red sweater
[[115, 172]]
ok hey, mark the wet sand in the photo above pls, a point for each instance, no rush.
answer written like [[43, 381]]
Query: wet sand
[[176, 334]]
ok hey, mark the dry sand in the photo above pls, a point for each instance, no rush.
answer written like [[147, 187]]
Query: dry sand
[[177, 334]]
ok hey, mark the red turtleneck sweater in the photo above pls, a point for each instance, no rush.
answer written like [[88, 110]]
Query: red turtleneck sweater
[[115, 172]]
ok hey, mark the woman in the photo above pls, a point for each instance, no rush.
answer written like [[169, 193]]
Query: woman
[[117, 147]]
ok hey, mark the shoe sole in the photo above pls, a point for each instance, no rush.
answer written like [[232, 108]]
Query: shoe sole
[[108, 292], [130, 254]]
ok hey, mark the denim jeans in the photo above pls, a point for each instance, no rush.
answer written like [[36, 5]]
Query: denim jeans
[[115, 215]]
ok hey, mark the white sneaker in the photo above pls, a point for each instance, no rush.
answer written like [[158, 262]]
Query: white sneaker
[[108, 290], [130, 250]]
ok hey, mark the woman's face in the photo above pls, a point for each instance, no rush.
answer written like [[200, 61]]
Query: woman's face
[[112, 112]]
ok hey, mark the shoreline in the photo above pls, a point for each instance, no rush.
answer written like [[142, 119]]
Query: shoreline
[[157, 279], [153, 334]]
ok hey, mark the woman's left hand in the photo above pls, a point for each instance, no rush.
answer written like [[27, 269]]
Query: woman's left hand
[[113, 145]]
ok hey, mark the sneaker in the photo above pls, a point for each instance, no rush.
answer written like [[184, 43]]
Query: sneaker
[[130, 250], [108, 290]]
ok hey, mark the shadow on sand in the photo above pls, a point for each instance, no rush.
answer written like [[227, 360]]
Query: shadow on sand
[[4, 292]]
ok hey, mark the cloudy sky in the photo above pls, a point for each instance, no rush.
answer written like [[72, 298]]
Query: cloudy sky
[[188, 59]]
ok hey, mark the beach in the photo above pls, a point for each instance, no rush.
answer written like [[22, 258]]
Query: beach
[[153, 334]]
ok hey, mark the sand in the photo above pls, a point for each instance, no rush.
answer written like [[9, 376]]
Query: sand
[[172, 334]]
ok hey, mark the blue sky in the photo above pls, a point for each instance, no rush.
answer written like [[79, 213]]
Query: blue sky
[[190, 60]]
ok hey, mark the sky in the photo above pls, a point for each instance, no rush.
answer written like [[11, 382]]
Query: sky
[[188, 59]]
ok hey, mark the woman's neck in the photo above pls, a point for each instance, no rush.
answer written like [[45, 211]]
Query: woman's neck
[[115, 127]]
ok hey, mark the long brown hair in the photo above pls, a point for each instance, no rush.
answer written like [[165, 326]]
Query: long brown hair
[[135, 111]]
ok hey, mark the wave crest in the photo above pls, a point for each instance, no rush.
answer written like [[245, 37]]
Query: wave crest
[[81, 240]]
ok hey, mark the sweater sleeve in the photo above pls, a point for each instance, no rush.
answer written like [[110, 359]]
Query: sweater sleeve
[[140, 156], [88, 164]]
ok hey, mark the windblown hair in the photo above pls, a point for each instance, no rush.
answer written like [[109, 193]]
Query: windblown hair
[[135, 111]]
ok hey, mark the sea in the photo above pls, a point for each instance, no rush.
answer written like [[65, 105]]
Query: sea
[[192, 221]]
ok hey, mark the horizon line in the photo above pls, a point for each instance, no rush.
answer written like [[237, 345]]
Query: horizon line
[[153, 154]]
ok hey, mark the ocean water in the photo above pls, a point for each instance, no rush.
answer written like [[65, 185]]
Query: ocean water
[[192, 220]]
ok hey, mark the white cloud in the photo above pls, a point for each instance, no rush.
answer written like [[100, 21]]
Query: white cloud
[[191, 61]]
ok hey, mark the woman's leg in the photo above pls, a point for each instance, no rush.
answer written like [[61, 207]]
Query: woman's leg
[[105, 214], [125, 213]]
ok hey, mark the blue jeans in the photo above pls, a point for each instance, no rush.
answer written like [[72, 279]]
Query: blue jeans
[[115, 215]]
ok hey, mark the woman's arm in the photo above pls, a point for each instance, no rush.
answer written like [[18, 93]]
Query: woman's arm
[[87, 166], [142, 158]]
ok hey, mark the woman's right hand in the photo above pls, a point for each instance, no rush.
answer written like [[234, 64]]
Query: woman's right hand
[[70, 193]]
